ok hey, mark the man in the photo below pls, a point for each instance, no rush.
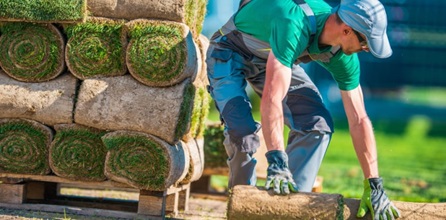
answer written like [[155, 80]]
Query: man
[[262, 44]]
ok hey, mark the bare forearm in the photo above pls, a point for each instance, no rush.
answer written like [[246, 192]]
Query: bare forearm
[[277, 82], [365, 146], [361, 131], [272, 124]]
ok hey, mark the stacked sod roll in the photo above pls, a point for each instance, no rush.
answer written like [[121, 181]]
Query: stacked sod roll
[[104, 90]]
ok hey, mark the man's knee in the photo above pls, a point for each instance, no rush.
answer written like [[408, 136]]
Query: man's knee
[[241, 126], [308, 112]]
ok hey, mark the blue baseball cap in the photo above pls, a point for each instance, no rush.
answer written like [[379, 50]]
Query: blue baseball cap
[[369, 18]]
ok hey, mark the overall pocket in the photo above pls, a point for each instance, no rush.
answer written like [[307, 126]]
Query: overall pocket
[[220, 64]]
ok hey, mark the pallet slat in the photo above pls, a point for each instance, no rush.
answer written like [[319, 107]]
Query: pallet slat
[[37, 191]]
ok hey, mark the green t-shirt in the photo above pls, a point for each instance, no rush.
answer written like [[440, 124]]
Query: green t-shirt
[[284, 25]]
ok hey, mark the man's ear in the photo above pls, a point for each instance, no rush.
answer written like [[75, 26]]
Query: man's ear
[[346, 30]]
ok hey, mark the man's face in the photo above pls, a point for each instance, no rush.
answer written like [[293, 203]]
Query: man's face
[[354, 42]]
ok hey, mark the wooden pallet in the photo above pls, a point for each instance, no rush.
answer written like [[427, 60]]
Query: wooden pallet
[[43, 193]]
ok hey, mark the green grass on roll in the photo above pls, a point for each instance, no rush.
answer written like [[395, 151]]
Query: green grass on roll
[[185, 116], [189, 17], [43, 10], [199, 113], [31, 52], [205, 106], [196, 113], [157, 53], [137, 158], [78, 153], [96, 48], [199, 18], [24, 147]]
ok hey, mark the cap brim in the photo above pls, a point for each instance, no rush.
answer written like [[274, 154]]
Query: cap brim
[[380, 46]]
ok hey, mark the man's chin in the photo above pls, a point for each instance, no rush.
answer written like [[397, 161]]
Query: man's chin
[[349, 52]]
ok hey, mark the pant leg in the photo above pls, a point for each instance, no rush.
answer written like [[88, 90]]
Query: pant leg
[[311, 127], [305, 153], [309, 121], [227, 88]]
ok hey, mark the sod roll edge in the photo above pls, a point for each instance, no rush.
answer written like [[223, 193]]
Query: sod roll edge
[[31, 52], [160, 53], [144, 161], [47, 102], [61, 11], [190, 12], [77, 153], [196, 165], [24, 146], [122, 103], [96, 48]]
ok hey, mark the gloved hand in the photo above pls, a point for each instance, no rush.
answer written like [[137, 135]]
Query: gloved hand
[[375, 200], [278, 173]]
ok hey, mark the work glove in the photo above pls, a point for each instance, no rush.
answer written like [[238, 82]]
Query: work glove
[[278, 173], [375, 200]]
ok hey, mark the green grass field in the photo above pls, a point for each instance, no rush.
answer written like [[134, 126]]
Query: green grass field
[[412, 165], [411, 157]]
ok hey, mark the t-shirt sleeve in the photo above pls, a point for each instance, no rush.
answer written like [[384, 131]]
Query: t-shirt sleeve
[[287, 40], [345, 70]]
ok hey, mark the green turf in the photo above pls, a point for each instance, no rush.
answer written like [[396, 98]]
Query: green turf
[[31, 52], [43, 10], [412, 166], [96, 48], [199, 113], [138, 158], [185, 111], [78, 153], [206, 101], [24, 147], [157, 52]]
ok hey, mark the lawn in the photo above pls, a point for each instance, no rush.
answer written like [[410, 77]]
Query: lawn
[[411, 164], [411, 157]]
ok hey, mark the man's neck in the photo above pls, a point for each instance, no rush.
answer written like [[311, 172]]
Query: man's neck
[[328, 36]]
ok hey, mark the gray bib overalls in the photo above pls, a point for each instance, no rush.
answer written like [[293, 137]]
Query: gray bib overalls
[[235, 59]]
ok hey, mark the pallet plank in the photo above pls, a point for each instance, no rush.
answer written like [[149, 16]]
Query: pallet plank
[[12, 193], [45, 190]]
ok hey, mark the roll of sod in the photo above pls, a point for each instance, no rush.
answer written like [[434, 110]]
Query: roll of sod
[[24, 147], [60, 11], [184, 11], [122, 103], [205, 106], [196, 165], [31, 52], [255, 203], [202, 77], [200, 13], [47, 102], [160, 53], [96, 48], [200, 112], [144, 161], [77, 153]]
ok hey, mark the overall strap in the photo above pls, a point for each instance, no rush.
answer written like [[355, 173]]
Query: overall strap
[[309, 13], [254, 46], [243, 3]]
